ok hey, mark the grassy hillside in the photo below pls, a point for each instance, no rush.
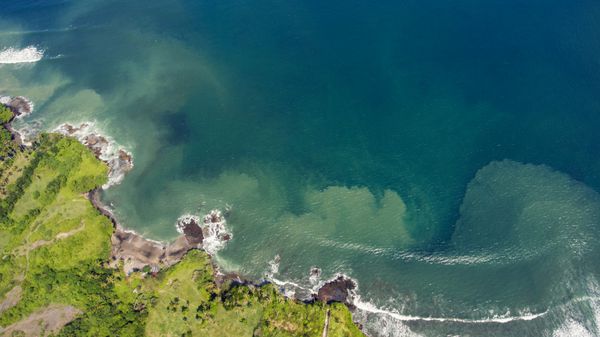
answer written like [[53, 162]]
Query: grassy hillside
[[54, 278]]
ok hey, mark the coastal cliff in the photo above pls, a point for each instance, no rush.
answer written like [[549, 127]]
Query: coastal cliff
[[68, 268]]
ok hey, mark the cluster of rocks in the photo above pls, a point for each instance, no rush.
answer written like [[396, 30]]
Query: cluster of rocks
[[19, 105], [340, 289], [137, 252]]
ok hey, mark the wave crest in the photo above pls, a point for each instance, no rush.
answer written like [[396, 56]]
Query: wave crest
[[214, 229], [30, 54]]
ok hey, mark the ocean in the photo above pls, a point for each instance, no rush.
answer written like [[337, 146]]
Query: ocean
[[443, 154]]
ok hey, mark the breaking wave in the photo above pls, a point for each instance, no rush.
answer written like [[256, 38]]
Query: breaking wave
[[214, 230], [29, 54]]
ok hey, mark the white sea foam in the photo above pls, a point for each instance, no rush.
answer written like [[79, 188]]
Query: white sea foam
[[29, 54], [573, 326], [273, 267], [289, 288], [315, 276], [184, 220], [214, 229], [390, 323], [386, 322], [505, 318], [383, 325], [215, 232], [21, 104]]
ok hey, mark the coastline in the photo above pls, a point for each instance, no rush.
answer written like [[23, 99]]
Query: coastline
[[135, 252], [133, 249], [131, 252]]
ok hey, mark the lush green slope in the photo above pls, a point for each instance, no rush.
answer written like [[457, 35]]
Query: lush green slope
[[53, 250]]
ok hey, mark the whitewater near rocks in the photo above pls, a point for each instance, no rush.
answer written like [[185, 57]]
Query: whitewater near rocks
[[30, 54]]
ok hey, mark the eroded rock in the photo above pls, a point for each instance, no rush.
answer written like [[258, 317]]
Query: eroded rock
[[337, 290]]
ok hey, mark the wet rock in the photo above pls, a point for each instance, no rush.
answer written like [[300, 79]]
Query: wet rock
[[19, 105], [337, 290], [192, 231]]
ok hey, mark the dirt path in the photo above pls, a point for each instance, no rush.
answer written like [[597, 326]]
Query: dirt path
[[11, 298], [14, 295], [59, 236], [43, 322], [326, 327]]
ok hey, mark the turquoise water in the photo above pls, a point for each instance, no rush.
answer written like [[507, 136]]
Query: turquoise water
[[443, 154]]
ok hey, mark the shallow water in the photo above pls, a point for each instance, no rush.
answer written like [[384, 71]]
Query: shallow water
[[366, 139]]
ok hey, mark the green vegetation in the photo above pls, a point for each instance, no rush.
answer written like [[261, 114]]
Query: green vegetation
[[189, 303], [5, 114], [54, 247], [7, 146]]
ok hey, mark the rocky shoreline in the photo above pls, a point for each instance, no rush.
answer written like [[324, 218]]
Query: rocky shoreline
[[135, 253], [20, 107]]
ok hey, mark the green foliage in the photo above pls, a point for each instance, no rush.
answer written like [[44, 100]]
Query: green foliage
[[5, 114], [86, 183], [16, 190], [54, 245], [7, 146], [106, 311]]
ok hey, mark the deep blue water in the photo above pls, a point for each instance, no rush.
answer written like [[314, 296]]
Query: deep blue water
[[353, 136]]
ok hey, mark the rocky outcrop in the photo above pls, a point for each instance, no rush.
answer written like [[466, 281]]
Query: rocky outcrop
[[339, 289], [19, 105], [137, 252]]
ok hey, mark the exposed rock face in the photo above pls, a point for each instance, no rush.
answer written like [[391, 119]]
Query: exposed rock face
[[193, 233], [189, 226], [136, 252], [337, 290]]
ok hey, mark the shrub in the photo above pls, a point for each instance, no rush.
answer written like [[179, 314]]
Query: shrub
[[5, 114]]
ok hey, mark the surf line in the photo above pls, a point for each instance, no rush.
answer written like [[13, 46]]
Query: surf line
[[30, 54], [368, 307]]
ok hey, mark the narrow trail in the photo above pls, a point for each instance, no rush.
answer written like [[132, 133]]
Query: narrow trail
[[59, 236], [326, 327], [26, 249]]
